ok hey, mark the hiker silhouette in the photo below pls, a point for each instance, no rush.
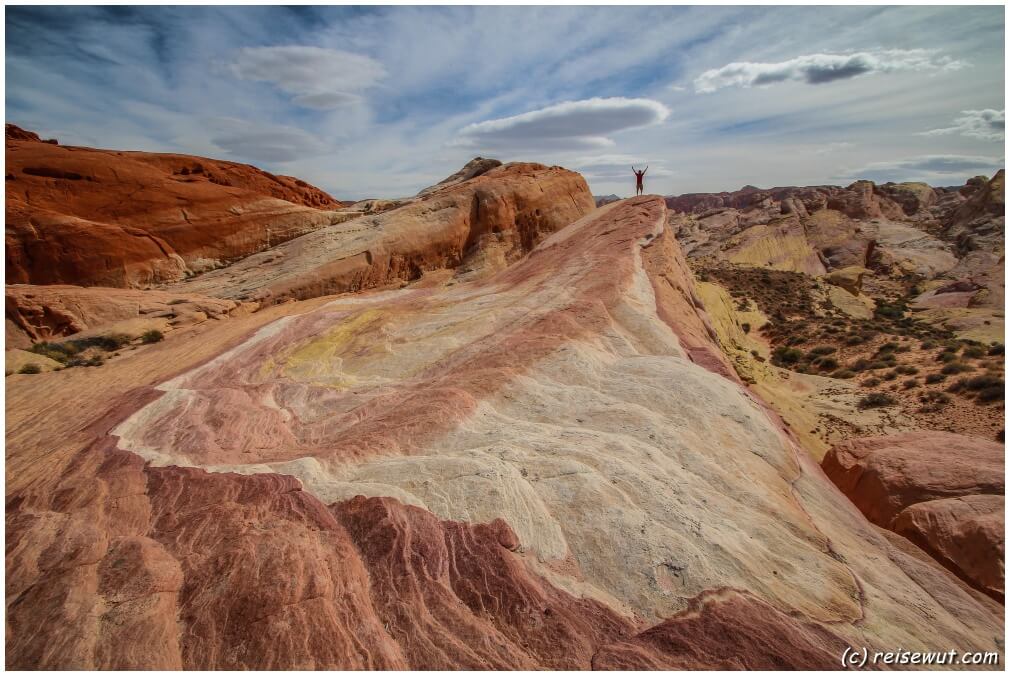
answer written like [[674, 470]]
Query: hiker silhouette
[[639, 175]]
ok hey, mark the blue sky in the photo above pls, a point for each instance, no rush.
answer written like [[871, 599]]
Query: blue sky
[[380, 102]]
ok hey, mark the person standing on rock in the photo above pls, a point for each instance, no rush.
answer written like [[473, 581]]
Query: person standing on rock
[[639, 175]]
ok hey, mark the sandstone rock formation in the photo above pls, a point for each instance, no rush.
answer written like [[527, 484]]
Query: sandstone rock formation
[[942, 491], [472, 169], [552, 466], [508, 209], [131, 219], [40, 313]]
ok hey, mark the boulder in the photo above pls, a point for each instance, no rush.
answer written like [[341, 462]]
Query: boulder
[[965, 533], [884, 475]]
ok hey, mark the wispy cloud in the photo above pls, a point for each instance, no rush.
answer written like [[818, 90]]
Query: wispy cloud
[[263, 142], [822, 68], [317, 77], [928, 167], [985, 124], [568, 125], [832, 147]]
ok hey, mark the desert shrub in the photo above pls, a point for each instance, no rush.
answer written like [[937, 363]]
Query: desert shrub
[[889, 310], [955, 367], [871, 382], [890, 375], [887, 347], [946, 357], [958, 385], [860, 365], [876, 400], [877, 364], [746, 327], [906, 369], [974, 352], [910, 383], [844, 374], [821, 350], [997, 393], [983, 382], [152, 336], [786, 355], [854, 339], [934, 396], [927, 345], [30, 368], [826, 363], [996, 349], [935, 378]]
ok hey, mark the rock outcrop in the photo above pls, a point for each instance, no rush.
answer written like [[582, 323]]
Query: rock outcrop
[[131, 219], [501, 214], [547, 467], [41, 313], [942, 491], [472, 169]]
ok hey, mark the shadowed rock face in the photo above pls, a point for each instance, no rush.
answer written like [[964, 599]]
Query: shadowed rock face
[[942, 491], [131, 219], [525, 470]]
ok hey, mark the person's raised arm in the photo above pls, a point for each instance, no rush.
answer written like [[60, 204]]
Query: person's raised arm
[[645, 170]]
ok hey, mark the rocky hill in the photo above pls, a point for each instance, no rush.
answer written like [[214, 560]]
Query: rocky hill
[[492, 426], [132, 219]]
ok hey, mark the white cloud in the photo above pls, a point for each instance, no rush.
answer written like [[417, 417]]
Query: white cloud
[[823, 68], [572, 125], [985, 124], [317, 77]]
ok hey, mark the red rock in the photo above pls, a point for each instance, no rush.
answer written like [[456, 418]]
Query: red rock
[[726, 629], [966, 534], [884, 475], [102, 217]]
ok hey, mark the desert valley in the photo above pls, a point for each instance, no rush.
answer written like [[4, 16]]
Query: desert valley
[[497, 424]]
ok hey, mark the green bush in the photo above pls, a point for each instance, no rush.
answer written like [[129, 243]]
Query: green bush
[[887, 347], [927, 345], [910, 383], [821, 350], [152, 336], [844, 374], [826, 363], [906, 369], [871, 382], [30, 368], [935, 378], [877, 400]]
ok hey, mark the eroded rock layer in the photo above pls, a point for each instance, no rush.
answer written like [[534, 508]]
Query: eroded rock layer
[[549, 467], [500, 214]]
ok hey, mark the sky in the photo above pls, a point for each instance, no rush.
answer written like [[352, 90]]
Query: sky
[[383, 101]]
